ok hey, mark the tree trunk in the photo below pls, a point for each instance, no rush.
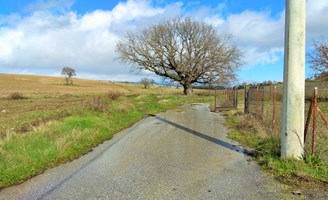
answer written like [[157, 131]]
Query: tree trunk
[[187, 88]]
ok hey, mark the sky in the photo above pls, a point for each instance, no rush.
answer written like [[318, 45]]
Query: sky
[[43, 36]]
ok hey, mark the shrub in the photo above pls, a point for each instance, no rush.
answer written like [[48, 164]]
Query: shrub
[[97, 104], [114, 95], [16, 96]]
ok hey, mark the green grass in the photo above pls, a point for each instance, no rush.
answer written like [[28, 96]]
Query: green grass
[[23, 156], [249, 133]]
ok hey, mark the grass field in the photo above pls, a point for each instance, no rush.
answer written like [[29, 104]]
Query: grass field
[[51, 123], [257, 133], [48, 98], [43, 86]]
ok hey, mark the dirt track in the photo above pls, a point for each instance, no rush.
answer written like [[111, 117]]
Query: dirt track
[[174, 155]]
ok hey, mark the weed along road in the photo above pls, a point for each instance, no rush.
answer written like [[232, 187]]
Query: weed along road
[[180, 154]]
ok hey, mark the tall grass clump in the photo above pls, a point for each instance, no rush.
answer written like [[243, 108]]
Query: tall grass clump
[[16, 96], [114, 95], [250, 132]]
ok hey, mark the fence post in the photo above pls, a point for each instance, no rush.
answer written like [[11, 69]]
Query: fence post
[[246, 101], [308, 120], [236, 97], [271, 92], [314, 130], [274, 109], [262, 111], [323, 117], [226, 96], [257, 102], [215, 96]]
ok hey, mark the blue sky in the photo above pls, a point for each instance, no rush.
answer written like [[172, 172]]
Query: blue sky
[[42, 36]]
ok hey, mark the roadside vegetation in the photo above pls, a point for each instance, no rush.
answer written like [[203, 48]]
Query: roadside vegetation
[[43, 130], [266, 145]]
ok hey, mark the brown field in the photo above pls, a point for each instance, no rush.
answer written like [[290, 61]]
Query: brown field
[[32, 85], [48, 98], [36, 86]]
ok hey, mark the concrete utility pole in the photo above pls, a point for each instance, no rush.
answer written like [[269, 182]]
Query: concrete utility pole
[[292, 136]]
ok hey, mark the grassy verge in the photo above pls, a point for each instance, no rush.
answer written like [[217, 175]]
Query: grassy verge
[[27, 154], [249, 132]]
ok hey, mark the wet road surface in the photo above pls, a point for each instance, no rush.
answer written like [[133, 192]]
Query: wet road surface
[[173, 155]]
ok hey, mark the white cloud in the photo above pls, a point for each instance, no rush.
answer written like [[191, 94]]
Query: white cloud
[[9, 39], [134, 9], [46, 40], [259, 36], [254, 56], [255, 29], [317, 18]]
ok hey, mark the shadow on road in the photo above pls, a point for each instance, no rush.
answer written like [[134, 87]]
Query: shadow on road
[[209, 138]]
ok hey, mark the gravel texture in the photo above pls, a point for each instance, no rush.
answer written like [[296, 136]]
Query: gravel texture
[[173, 155]]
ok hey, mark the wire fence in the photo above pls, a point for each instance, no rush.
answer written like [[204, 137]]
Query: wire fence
[[265, 104], [226, 99]]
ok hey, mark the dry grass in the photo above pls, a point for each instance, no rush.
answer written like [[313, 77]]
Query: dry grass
[[154, 89], [16, 96], [36, 86], [267, 116], [249, 123], [49, 98]]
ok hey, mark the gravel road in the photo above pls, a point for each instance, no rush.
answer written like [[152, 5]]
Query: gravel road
[[173, 155]]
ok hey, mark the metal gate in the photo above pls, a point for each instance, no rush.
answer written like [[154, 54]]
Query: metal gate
[[226, 99]]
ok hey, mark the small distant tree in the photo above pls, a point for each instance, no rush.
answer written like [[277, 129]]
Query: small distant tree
[[69, 73], [318, 59], [266, 83], [147, 82], [254, 83]]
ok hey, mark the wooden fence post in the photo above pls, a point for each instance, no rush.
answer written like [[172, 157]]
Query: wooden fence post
[[274, 109], [271, 93], [257, 102], [323, 117], [314, 130], [246, 101], [262, 101], [215, 96], [226, 97], [308, 120], [236, 97]]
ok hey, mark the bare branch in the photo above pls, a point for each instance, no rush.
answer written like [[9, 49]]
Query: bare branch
[[318, 59], [183, 50]]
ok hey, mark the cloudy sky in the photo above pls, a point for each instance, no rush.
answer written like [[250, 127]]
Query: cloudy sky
[[42, 36]]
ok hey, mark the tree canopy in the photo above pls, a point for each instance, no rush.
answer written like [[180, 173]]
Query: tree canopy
[[183, 50], [69, 72], [147, 82], [318, 59]]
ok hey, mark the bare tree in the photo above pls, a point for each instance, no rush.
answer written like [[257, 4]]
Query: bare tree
[[183, 50], [69, 73], [318, 59], [147, 82]]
